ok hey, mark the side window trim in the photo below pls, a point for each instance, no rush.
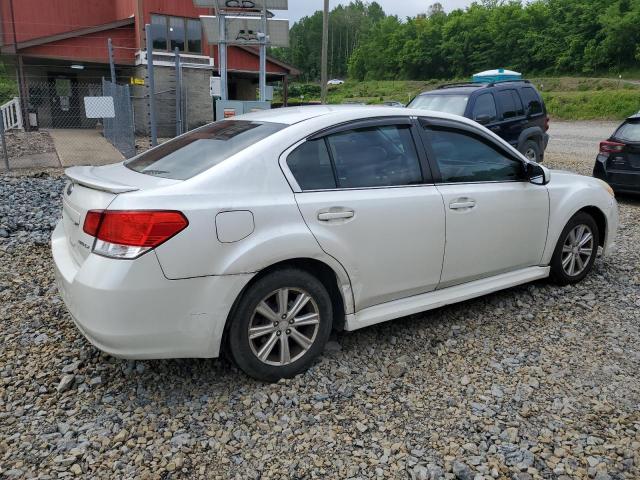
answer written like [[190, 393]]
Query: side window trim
[[426, 124], [427, 173]]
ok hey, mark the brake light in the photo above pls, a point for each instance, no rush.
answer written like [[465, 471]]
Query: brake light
[[608, 147], [546, 124], [130, 233]]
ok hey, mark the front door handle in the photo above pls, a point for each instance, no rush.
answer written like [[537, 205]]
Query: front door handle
[[335, 214], [462, 204]]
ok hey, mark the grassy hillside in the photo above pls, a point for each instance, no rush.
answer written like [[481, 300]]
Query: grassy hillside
[[567, 98]]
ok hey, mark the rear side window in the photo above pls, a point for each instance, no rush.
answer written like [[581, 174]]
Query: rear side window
[[311, 166], [532, 102], [485, 106], [629, 132], [197, 151], [511, 104], [375, 157]]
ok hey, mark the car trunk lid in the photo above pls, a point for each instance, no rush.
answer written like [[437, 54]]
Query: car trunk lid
[[95, 188]]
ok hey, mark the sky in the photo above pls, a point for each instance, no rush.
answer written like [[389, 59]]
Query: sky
[[402, 8]]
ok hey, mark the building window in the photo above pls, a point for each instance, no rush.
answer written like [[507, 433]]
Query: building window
[[171, 32]]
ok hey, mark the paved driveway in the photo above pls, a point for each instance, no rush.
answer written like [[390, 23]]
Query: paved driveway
[[83, 147]]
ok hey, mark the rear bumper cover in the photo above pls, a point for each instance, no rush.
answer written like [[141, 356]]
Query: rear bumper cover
[[129, 309], [622, 181]]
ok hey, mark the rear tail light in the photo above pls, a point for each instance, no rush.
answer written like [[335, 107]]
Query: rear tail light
[[608, 147], [546, 124], [130, 233]]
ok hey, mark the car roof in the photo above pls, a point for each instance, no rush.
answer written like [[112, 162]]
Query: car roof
[[293, 115]]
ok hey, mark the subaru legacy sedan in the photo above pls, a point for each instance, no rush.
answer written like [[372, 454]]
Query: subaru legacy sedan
[[256, 236]]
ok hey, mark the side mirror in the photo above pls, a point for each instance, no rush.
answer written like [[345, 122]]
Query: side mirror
[[537, 174], [484, 119]]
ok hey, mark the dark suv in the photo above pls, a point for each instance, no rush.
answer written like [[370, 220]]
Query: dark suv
[[512, 109]]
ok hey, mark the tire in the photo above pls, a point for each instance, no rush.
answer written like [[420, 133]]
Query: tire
[[264, 355], [531, 150], [566, 253]]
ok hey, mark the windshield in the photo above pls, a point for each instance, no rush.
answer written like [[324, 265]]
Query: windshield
[[197, 151], [629, 132], [455, 104]]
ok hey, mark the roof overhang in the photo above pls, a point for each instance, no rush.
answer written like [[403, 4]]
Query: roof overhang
[[15, 48]]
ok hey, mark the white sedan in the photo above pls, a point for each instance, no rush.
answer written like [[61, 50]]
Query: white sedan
[[257, 236]]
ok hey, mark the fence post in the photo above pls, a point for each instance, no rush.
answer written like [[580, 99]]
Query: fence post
[[178, 93], [111, 64], [152, 86], [4, 143]]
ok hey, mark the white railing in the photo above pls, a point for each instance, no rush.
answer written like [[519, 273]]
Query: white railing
[[11, 114]]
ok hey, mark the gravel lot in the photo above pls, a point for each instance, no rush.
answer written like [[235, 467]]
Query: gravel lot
[[537, 381]]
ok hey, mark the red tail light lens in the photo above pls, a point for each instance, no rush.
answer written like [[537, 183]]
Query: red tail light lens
[[130, 233], [546, 124], [611, 147], [92, 222]]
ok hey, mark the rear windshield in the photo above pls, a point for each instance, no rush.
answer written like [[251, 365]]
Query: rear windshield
[[197, 151], [455, 104], [629, 132]]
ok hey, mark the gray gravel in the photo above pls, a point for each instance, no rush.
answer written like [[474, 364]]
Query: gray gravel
[[535, 382]]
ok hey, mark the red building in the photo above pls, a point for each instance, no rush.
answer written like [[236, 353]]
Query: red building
[[61, 47]]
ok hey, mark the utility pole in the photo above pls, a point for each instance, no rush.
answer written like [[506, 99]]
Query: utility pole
[[325, 47]]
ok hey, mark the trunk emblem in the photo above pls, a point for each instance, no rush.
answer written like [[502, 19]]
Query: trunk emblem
[[70, 188]]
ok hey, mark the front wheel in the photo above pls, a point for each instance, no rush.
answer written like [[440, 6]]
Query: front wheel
[[280, 325], [576, 250]]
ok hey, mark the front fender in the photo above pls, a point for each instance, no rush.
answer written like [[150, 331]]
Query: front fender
[[569, 194]]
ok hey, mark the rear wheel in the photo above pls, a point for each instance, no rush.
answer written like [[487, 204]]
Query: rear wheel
[[576, 250], [281, 325], [531, 150]]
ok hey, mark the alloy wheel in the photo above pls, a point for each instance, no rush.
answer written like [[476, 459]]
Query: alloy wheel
[[284, 326], [577, 250]]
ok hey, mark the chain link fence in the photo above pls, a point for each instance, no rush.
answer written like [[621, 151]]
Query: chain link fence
[[120, 130]]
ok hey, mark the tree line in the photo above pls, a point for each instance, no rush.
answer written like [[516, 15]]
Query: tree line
[[541, 36]]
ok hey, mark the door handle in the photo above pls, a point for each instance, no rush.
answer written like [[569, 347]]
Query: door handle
[[327, 216], [462, 204]]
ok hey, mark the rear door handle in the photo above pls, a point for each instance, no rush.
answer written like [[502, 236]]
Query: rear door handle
[[462, 204], [334, 214]]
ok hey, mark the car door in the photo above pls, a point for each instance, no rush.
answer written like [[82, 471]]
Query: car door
[[365, 192], [512, 116], [496, 220]]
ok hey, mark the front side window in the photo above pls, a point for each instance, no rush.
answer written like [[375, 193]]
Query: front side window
[[375, 157], [448, 103], [463, 157], [197, 151], [485, 108]]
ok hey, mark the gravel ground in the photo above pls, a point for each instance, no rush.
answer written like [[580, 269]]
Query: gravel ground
[[537, 381]]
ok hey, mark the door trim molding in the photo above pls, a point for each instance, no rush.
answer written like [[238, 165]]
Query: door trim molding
[[440, 298]]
